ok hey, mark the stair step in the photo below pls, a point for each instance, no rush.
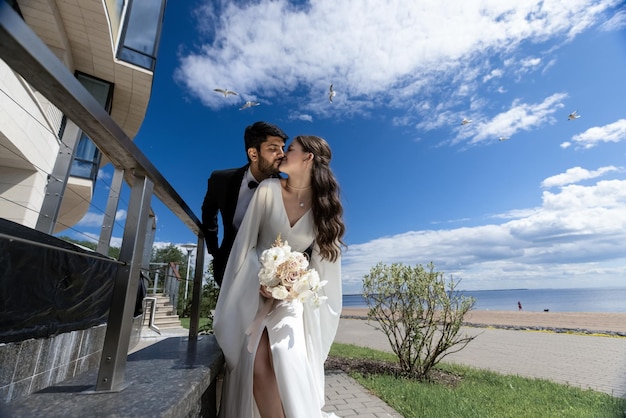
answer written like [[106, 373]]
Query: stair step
[[166, 323], [169, 327], [165, 318], [158, 315], [164, 314], [165, 309]]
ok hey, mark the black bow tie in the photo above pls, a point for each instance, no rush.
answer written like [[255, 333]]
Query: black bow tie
[[253, 184]]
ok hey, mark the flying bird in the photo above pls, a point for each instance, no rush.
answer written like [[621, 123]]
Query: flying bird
[[573, 115], [226, 92], [465, 121], [249, 104], [331, 93]]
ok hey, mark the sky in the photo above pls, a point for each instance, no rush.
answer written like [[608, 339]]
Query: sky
[[519, 197]]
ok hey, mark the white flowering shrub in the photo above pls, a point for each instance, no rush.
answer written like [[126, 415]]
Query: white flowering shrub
[[419, 312]]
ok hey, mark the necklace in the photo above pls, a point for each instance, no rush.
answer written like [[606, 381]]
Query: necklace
[[300, 202], [298, 188]]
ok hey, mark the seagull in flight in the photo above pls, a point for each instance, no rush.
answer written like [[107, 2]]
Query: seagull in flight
[[465, 121], [249, 104], [226, 92], [331, 93], [574, 115]]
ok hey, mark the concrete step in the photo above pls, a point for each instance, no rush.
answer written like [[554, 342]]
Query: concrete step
[[165, 314], [161, 319], [165, 311], [168, 324], [165, 325], [161, 315]]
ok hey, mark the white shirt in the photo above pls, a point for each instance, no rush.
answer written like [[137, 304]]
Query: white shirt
[[245, 195]]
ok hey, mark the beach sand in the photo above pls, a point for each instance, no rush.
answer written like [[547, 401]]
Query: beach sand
[[588, 321]]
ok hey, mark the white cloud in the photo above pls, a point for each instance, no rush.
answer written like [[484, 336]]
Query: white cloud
[[576, 238], [103, 174], [375, 53], [616, 22], [520, 117], [497, 73], [116, 242], [574, 175], [548, 66], [120, 215], [613, 132], [92, 219], [530, 62], [300, 116]]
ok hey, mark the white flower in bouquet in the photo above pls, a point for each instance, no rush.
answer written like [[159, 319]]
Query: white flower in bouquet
[[280, 292], [308, 287], [286, 275]]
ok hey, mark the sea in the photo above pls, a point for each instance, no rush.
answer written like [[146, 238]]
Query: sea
[[537, 300]]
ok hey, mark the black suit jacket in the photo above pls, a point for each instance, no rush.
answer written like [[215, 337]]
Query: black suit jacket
[[221, 196]]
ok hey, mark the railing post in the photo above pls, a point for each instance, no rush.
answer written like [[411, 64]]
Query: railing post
[[194, 318], [57, 180], [109, 214], [119, 324], [149, 240], [156, 281]]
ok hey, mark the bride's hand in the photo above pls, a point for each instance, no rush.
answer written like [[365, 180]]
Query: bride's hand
[[264, 292]]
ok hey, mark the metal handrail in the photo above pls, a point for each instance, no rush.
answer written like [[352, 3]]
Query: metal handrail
[[27, 55], [151, 322]]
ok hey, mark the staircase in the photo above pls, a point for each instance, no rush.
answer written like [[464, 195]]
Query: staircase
[[165, 316]]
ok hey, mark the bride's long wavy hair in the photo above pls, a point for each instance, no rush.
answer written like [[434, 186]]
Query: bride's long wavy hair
[[326, 205]]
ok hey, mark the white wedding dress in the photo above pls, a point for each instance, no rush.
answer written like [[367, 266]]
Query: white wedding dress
[[300, 334]]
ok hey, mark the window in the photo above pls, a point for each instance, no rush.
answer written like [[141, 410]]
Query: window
[[87, 156], [141, 32], [86, 159]]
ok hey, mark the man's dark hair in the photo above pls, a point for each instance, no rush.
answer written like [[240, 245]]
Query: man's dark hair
[[257, 133]]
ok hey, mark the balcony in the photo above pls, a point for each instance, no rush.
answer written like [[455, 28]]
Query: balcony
[[25, 53]]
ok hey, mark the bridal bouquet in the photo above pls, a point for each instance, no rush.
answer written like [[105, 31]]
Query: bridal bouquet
[[286, 275]]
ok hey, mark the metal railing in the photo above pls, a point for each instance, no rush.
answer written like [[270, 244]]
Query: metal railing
[[28, 56]]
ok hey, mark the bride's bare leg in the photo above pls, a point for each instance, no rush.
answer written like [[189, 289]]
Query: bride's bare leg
[[265, 387]]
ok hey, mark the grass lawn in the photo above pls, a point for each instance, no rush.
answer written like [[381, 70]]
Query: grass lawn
[[476, 393], [185, 322]]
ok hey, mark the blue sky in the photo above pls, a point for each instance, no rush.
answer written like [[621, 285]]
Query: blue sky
[[543, 208]]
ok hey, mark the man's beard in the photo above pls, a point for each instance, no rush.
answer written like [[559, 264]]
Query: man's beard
[[267, 167]]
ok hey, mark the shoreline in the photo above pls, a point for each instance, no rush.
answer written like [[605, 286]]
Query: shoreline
[[583, 322]]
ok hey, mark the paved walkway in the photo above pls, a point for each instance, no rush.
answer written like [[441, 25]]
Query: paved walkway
[[585, 361], [346, 398]]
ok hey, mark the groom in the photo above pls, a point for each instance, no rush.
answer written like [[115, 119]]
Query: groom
[[229, 191]]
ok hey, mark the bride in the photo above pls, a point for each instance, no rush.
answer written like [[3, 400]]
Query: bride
[[275, 349]]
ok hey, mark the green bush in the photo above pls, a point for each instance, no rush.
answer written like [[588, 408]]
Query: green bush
[[419, 312]]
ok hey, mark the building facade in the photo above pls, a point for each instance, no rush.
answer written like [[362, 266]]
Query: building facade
[[48, 167]]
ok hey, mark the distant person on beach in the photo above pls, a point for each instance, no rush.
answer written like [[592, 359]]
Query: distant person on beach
[[229, 191], [519, 305], [275, 348]]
